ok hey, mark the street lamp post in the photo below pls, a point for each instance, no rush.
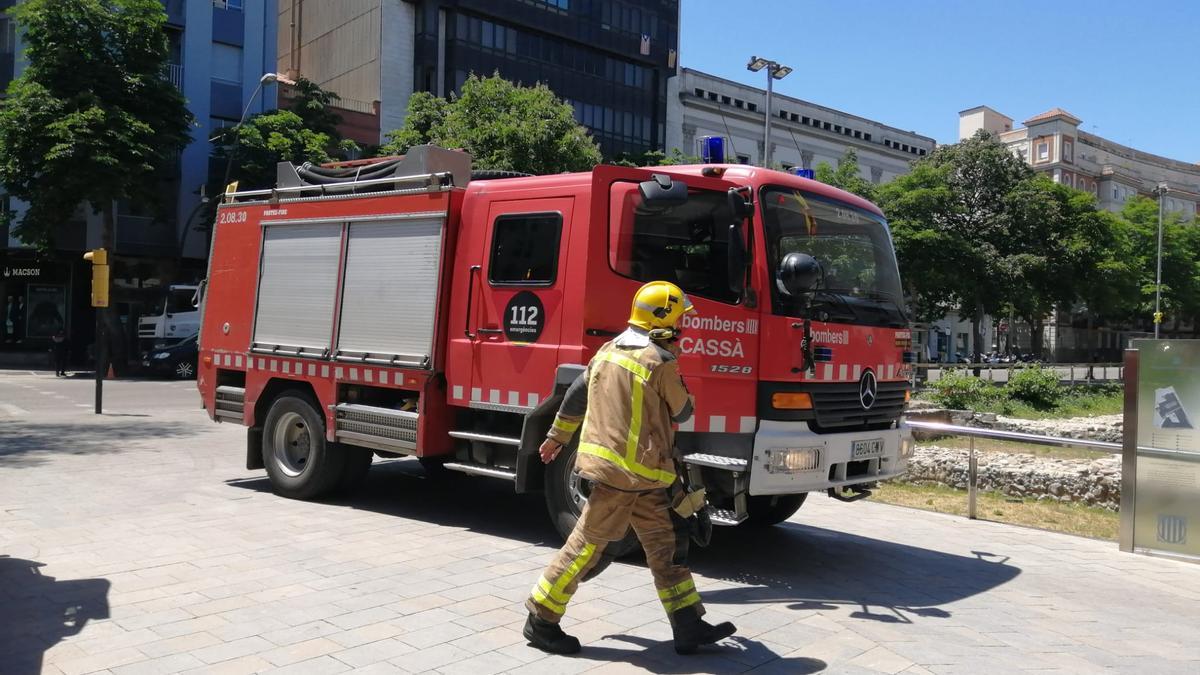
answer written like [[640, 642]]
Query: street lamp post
[[775, 71], [1160, 191], [266, 79]]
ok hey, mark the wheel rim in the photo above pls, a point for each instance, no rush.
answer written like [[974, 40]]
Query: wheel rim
[[578, 489], [184, 369], [292, 443]]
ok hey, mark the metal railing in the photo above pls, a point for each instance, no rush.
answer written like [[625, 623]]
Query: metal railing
[[174, 75], [1071, 373], [1034, 439]]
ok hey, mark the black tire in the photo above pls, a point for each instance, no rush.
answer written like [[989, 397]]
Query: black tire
[[768, 510], [299, 462], [435, 467], [566, 493], [355, 466]]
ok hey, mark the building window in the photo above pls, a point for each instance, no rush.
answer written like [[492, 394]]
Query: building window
[[726, 100], [922, 152], [743, 159], [712, 95], [1116, 195], [8, 36], [783, 114], [739, 103], [826, 126], [804, 121], [752, 107], [235, 5], [795, 117], [525, 249], [1043, 151], [866, 137], [698, 92], [227, 63], [857, 134], [786, 166], [1067, 151]]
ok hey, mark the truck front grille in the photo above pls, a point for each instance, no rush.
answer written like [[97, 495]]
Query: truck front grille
[[837, 406]]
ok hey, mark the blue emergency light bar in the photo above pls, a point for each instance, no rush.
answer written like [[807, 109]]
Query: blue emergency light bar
[[805, 173], [822, 354], [712, 149]]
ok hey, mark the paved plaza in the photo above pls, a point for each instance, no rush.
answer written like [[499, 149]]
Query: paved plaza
[[135, 542]]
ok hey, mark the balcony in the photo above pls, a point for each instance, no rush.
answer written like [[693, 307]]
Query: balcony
[[174, 74]]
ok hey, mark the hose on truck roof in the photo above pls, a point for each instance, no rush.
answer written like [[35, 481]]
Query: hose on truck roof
[[319, 175]]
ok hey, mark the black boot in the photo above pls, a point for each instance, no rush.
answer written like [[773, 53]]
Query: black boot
[[691, 631], [549, 637]]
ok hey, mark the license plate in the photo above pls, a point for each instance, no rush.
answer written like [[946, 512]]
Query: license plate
[[872, 447]]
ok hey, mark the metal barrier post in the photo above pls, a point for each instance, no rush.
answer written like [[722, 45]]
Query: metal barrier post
[[972, 485]]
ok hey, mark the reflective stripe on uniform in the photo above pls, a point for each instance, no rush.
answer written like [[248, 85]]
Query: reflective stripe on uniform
[[677, 589], [686, 601], [552, 597], [642, 372], [632, 467], [565, 426]]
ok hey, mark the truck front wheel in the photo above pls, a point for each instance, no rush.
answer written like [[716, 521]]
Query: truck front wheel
[[767, 510], [299, 462], [566, 494]]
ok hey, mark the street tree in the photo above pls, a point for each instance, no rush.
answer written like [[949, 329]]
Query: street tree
[[92, 118], [1180, 263], [305, 130], [846, 176], [951, 218], [504, 126], [656, 158]]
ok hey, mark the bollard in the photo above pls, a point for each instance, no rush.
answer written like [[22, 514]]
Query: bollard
[[971, 481]]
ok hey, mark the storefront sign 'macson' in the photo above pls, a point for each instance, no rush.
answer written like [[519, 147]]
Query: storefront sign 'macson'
[[22, 271]]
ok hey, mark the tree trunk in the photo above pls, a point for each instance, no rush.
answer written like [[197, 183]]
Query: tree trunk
[[1037, 336], [977, 335], [114, 332]]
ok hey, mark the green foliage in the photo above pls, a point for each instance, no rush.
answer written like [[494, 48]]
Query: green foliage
[[657, 158], [304, 131], [1036, 386], [846, 176], [959, 390], [503, 125], [92, 117]]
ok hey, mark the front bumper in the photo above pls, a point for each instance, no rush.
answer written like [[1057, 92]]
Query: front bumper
[[835, 467]]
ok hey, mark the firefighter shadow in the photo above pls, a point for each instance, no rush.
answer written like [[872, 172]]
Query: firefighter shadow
[[815, 569], [25, 444], [733, 655], [38, 611]]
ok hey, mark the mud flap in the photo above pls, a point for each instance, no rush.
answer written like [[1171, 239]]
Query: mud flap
[[254, 442]]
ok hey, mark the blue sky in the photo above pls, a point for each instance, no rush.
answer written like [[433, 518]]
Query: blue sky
[[1129, 70]]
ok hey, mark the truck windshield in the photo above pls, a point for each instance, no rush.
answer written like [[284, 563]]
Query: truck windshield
[[180, 300], [860, 283]]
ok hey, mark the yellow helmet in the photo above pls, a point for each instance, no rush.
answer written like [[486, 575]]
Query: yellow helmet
[[659, 304]]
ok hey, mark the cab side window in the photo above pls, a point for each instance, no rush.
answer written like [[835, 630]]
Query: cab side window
[[525, 249]]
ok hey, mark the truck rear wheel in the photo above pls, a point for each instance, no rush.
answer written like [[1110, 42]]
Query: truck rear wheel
[[767, 510], [299, 462], [566, 494]]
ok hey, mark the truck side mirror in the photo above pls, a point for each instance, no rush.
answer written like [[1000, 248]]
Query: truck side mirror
[[739, 203], [662, 192], [798, 274], [738, 257]]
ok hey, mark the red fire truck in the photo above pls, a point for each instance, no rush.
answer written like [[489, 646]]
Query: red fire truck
[[407, 307]]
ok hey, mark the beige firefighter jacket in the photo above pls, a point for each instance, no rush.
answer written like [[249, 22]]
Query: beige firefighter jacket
[[626, 402]]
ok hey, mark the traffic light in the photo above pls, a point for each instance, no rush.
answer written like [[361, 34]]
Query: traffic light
[[1158, 317], [99, 259]]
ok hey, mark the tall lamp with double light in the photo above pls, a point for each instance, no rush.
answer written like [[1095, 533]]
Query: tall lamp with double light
[[775, 71]]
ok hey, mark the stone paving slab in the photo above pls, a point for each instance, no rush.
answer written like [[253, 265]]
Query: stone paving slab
[[138, 544]]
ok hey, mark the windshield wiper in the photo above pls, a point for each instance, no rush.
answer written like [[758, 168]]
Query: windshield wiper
[[885, 297], [837, 299]]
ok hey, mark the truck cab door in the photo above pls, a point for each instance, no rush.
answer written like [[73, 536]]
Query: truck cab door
[[687, 245], [517, 320]]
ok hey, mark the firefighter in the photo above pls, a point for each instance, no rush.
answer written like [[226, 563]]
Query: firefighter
[[626, 402]]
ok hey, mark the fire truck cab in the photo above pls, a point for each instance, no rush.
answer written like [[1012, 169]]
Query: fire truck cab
[[410, 308]]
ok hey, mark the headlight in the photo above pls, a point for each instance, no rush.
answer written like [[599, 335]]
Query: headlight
[[162, 355], [907, 446], [793, 460]]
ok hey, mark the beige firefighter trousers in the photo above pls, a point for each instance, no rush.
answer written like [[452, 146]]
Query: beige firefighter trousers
[[608, 514]]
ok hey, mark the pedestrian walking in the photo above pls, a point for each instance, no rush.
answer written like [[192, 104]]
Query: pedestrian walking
[[59, 349], [624, 405], [16, 318]]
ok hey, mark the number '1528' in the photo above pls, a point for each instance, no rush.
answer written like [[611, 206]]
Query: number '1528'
[[735, 370]]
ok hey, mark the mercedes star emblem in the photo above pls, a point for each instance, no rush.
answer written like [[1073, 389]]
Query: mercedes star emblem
[[867, 390]]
